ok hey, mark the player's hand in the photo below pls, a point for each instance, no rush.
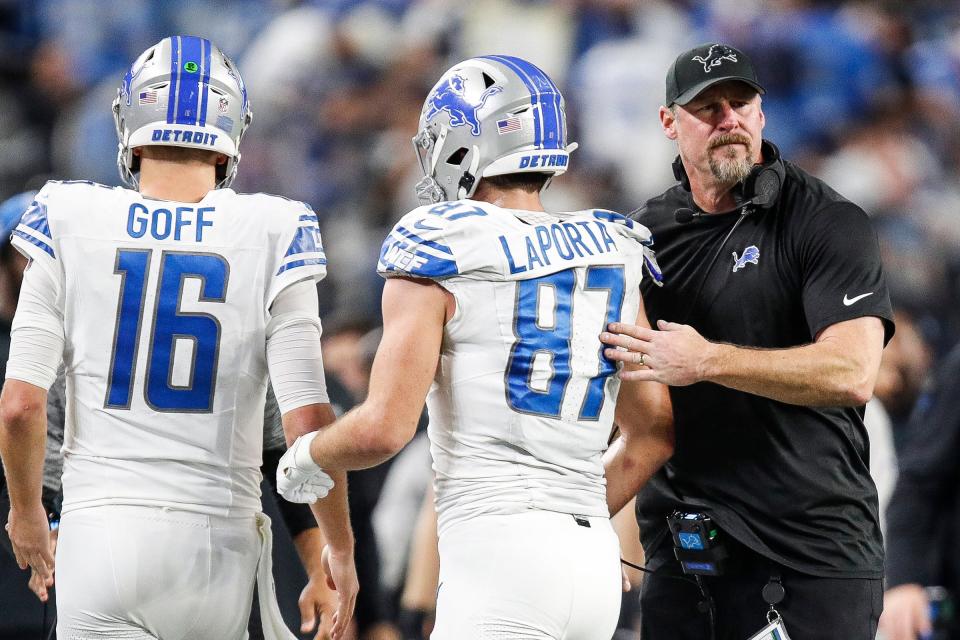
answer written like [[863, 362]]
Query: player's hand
[[674, 355], [906, 613], [299, 479], [341, 576], [30, 536], [318, 603], [36, 583]]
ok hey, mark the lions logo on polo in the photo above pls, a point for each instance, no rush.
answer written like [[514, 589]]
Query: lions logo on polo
[[751, 255], [450, 96], [715, 57]]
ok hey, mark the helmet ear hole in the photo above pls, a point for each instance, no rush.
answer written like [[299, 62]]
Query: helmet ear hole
[[457, 156], [487, 81]]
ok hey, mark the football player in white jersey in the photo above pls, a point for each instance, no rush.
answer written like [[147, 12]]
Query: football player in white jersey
[[495, 307], [168, 304]]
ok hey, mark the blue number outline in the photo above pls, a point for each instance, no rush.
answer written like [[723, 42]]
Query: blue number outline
[[564, 284], [525, 347], [134, 347], [616, 291], [150, 382], [124, 315]]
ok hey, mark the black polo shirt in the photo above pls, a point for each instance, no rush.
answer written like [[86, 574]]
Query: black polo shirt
[[791, 482]]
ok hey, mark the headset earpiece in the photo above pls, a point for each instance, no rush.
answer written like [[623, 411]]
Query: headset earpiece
[[681, 174], [762, 185]]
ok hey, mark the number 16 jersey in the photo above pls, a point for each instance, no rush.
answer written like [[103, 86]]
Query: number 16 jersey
[[163, 307], [523, 400]]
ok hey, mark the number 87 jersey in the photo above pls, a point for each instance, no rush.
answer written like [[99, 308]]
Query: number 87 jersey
[[163, 307], [523, 400]]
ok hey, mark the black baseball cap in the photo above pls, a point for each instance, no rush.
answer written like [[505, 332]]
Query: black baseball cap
[[704, 66]]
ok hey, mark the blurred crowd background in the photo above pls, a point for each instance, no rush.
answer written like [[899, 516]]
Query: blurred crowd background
[[865, 95]]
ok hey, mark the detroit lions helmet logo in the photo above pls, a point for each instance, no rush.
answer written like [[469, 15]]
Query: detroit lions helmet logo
[[751, 255], [449, 97], [715, 57]]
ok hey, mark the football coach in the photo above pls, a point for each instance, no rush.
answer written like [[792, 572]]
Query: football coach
[[769, 331]]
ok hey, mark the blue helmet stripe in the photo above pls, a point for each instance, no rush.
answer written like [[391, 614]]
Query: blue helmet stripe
[[557, 98], [534, 96], [547, 96], [206, 46], [549, 103], [174, 78], [188, 94]]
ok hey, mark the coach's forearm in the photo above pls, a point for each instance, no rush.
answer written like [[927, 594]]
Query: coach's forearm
[[811, 375], [839, 369]]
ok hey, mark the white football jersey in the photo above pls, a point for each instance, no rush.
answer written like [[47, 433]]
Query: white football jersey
[[522, 405], [164, 308]]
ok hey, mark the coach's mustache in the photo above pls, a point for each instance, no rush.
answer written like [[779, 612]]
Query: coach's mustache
[[729, 138]]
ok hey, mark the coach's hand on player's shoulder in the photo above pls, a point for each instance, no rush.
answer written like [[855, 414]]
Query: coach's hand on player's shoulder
[[342, 577], [299, 479], [674, 354], [30, 536]]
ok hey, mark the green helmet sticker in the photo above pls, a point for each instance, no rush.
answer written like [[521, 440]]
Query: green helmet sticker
[[191, 66]]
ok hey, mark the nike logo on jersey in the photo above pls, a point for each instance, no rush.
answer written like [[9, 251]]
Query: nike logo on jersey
[[849, 301], [424, 227]]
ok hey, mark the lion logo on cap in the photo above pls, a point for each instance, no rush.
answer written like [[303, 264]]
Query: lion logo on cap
[[715, 57]]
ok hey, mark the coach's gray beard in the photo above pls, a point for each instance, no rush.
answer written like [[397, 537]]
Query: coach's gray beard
[[727, 168]]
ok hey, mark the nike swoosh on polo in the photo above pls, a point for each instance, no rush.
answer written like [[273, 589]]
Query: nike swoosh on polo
[[849, 301]]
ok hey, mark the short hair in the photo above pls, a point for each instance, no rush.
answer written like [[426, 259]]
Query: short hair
[[179, 154], [532, 182]]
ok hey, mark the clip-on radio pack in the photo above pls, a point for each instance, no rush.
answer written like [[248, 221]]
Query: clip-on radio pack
[[696, 544]]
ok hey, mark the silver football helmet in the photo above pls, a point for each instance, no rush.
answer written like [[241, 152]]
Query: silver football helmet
[[489, 116], [183, 92]]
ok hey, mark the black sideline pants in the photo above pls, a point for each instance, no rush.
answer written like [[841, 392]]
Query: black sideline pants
[[814, 608]]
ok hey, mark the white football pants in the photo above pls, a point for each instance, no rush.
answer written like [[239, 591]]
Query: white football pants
[[147, 573], [537, 575]]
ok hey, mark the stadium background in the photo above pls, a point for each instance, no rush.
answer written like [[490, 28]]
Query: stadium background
[[864, 94]]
